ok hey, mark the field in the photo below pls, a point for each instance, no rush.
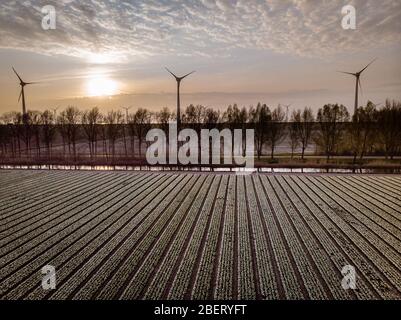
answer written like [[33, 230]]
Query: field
[[138, 235]]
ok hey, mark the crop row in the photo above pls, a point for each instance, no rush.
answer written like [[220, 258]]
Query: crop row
[[154, 247], [42, 214], [158, 287], [268, 288], [61, 241], [381, 194], [225, 271], [186, 272], [304, 264], [104, 265], [385, 215], [315, 214], [33, 195], [202, 285], [357, 234], [129, 216], [367, 220], [121, 235], [66, 218], [288, 274], [77, 245]]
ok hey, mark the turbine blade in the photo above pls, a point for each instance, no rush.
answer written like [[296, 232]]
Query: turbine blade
[[352, 74], [367, 65], [17, 75], [20, 95], [187, 75], [171, 73], [360, 85]]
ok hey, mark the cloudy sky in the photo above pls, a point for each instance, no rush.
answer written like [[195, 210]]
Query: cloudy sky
[[112, 53]]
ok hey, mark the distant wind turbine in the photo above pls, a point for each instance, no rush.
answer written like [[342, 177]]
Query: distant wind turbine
[[357, 75], [286, 111], [377, 104], [55, 112], [22, 94], [178, 79], [126, 113]]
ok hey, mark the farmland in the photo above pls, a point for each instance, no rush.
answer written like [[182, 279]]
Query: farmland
[[156, 235]]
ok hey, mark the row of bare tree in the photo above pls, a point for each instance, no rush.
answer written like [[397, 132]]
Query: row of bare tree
[[332, 131]]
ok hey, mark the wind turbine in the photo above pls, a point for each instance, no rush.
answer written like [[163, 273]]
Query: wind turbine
[[377, 104], [357, 76], [55, 112], [126, 113], [22, 94], [286, 111], [178, 79]]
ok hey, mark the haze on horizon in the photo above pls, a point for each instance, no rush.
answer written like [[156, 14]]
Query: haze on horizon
[[113, 53]]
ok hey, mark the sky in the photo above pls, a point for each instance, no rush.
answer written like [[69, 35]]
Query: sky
[[113, 53]]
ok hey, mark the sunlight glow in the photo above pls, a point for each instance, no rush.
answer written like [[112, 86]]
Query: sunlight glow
[[101, 58], [101, 85]]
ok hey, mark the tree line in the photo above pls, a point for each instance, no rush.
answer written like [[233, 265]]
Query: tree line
[[332, 131]]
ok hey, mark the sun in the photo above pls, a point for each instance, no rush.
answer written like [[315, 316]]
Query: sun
[[102, 58], [100, 86]]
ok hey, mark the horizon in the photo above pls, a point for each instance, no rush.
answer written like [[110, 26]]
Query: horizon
[[291, 56]]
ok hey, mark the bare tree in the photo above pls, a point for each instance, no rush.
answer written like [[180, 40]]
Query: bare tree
[[6, 137], [103, 135], [163, 117], [361, 130], [48, 129], [236, 118], [72, 117], [90, 122], [114, 120], [276, 129], [13, 121], [139, 125], [293, 131], [369, 127], [34, 119], [62, 127], [259, 117], [193, 114], [304, 122], [211, 117], [331, 119], [389, 124]]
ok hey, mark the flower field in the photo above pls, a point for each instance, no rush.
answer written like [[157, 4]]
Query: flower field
[[156, 235]]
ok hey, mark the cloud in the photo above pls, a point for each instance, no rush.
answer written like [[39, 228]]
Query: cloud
[[198, 27]]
